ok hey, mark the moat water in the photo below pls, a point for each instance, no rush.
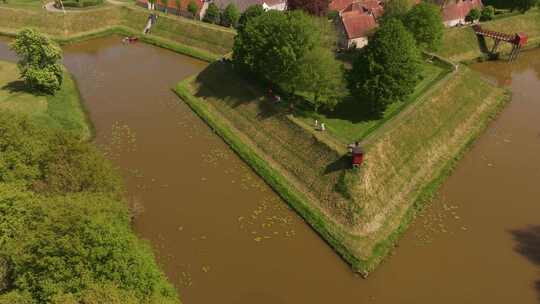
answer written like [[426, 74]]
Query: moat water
[[223, 236]]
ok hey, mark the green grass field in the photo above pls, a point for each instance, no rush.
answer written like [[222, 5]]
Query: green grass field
[[348, 123], [61, 111]]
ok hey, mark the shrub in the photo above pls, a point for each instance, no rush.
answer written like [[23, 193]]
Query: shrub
[[230, 16], [488, 12], [473, 15], [69, 244], [192, 8]]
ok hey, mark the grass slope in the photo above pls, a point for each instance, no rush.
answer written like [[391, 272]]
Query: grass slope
[[61, 111], [404, 164], [461, 44], [193, 38]]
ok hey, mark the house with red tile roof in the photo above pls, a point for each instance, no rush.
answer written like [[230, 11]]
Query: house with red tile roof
[[172, 7], [357, 21], [454, 13], [242, 5]]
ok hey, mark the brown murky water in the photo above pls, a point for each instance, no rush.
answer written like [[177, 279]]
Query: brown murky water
[[223, 236]]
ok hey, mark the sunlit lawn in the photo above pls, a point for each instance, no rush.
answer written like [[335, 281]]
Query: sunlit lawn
[[349, 122]]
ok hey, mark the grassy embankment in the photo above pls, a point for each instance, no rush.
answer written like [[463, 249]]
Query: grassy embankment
[[192, 38], [461, 44], [407, 157], [60, 111]]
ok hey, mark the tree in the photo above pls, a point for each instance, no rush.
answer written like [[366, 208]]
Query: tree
[[388, 68], [178, 6], [39, 61], [424, 21], [313, 7], [231, 15], [523, 5], [396, 9], [321, 79], [488, 12], [193, 8], [473, 15], [249, 14], [165, 5], [212, 15], [271, 45]]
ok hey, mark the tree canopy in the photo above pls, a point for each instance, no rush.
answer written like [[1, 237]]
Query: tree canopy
[[388, 68], [213, 14], [424, 21], [39, 61], [313, 7], [230, 15], [249, 14], [473, 15], [396, 8]]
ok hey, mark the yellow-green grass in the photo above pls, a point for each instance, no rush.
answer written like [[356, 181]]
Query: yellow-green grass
[[63, 110], [25, 4], [177, 30], [404, 163], [461, 44], [349, 122]]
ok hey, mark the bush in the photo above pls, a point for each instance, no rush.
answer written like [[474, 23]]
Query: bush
[[192, 8], [39, 61], [69, 244], [52, 161], [488, 12], [473, 15]]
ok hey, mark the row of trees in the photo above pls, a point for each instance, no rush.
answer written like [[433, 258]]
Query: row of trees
[[388, 69], [228, 17]]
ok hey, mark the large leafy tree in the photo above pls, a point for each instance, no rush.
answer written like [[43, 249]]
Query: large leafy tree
[[39, 61], [271, 46], [321, 79], [388, 68], [396, 8], [314, 7], [424, 21], [230, 15]]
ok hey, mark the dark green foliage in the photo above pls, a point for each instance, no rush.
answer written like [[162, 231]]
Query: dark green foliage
[[230, 16], [81, 3], [321, 78], [271, 46], [249, 14], [488, 12], [388, 69], [51, 162], [192, 7], [39, 61], [396, 9], [424, 21], [213, 15], [67, 244], [473, 15]]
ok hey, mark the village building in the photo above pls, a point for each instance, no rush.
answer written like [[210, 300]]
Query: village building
[[455, 12], [356, 23], [278, 5]]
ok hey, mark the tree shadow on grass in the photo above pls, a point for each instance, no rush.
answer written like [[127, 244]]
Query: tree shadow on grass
[[350, 109], [18, 86], [342, 163], [482, 44], [528, 245]]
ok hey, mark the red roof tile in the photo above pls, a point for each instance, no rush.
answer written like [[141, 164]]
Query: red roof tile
[[357, 23], [460, 9]]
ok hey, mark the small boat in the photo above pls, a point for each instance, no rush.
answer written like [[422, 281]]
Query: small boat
[[130, 39]]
